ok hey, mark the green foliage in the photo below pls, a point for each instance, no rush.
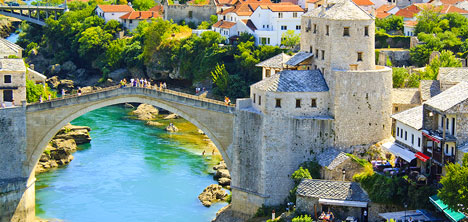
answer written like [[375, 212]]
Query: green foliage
[[267, 210], [290, 39], [274, 220], [208, 24], [361, 162], [313, 167], [220, 78], [384, 40], [302, 218], [35, 91], [446, 59], [229, 198], [300, 174], [143, 5], [454, 189], [388, 62], [391, 23]]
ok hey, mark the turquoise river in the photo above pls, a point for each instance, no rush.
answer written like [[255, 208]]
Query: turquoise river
[[128, 172]]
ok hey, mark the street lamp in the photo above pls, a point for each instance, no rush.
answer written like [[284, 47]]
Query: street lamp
[[344, 173]]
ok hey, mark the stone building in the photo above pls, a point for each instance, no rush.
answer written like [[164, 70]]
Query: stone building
[[10, 49], [405, 98], [189, 13], [12, 81], [335, 97], [341, 198]]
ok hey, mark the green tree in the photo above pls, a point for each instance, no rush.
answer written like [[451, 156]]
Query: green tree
[[92, 42], [391, 23], [454, 191], [300, 174], [399, 75], [428, 21], [220, 78], [446, 59], [35, 91], [290, 39], [143, 5]]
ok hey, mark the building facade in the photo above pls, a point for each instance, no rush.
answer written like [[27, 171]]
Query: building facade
[[112, 12], [12, 81]]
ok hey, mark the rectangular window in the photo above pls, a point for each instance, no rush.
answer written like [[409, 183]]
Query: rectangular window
[[315, 28], [412, 139], [267, 73], [278, 103], [323, 70], [316, 53], [447, 121], [346, 31], [8, 95], [298, 103], [398, 131], [327, 30], [419, 142], [315, 66], [310, 49], [298, 27], [190, 14], [280, 15], [7, 78], [254, 97], [359, 56], [406, 135], [323, 54], [453, 126], [283, 27], [313, 103], [366, 31], [401, 133], [294, 14], [259, 100], [446, 148]]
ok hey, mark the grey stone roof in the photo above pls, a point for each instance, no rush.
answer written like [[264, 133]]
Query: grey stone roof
[[294, 81], [453, 74], [335, 190], [326, 157], [406, 96], [412, 117], [429, 89], [276, 61], [338, 160], [12, 65], [298, 58], [450, 97], [6, 47], [340, 10]]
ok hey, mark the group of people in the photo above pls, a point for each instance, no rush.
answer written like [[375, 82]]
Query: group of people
[[198, 89], [327, 216], [212, 152]]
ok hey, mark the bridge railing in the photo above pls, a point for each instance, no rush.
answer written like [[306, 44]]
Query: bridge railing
[[168, 91]]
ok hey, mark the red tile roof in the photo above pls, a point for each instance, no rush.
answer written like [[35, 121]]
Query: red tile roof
[[382, 11], [408, 12], [363, 2], [157, 8], [411, 23], [285, 8], [115, 8], [444, 9], [141, 15], [447, 2], [249, 24], [224, 24]]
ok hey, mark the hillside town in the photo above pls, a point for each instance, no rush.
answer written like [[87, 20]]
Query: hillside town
[[312, 110]]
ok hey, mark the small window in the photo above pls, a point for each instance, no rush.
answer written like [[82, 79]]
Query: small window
[[8, 95], [316, 53], [190, 14], [259, 100], [447, 121], [280, 15], [267, 73], [412, 139], [346, 31], [130, 21], [315, 28], [327, 30], [7, 79], [323, 54], [254, 97], [298, 27], [313, 103], [419, 142], [323, 70], [310, 49], [366, 31], [359, 56], [406, 135], [315, 66], [278, 103], [401, 133], [298, 103], [294, 14], [283, 27], [398, 131], [446, 148], [396, 108]]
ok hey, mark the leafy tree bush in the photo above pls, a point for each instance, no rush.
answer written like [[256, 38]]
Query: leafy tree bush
[[302, 218], [454, 191], [300, 174], [391, 23], [143, 5], [35, 91], [290, 39]]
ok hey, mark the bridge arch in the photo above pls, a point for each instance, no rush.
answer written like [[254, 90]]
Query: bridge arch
[[43, 124]]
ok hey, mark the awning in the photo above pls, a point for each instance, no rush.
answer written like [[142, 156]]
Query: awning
[[433, 138], [346, 203], [421, 156], [397, 150], [454, 216]]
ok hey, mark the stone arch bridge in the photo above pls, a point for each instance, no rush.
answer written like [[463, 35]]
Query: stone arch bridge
[[29, 128]]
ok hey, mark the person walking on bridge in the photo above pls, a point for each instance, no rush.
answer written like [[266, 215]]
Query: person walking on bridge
[[227, 101]]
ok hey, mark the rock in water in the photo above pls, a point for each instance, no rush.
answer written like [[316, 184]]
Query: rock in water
[[224, 181], [212, 193], [221, 165], [146, 112], [172, 116], [78, 133], [153, 123], [172, 128]]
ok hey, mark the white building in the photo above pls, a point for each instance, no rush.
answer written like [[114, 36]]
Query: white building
[[267, 22], [109, 12], [131, 19]]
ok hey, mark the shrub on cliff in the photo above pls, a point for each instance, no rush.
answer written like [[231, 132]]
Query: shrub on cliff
[[302, 218]]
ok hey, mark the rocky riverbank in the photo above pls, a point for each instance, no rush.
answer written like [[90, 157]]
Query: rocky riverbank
[[59, 150], [6, 26]]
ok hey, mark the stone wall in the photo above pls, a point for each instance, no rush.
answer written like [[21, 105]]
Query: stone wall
[[189, 13], [363, 106], [267, 149], [397, 57]]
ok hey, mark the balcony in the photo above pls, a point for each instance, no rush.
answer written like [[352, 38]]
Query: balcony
[[437, 136]]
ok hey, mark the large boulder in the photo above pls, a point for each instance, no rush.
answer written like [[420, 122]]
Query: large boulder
[[212, 193], [68, 66], [55, 69], [172, 116], [146, 112], [119, 74], [53, 82], [221, 166], [153, 123], [222, 173], [80, 134], [224, 181], [172, 128], [65, 84]]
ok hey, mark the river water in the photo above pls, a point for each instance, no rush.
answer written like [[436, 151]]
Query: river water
[[129, 172]]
